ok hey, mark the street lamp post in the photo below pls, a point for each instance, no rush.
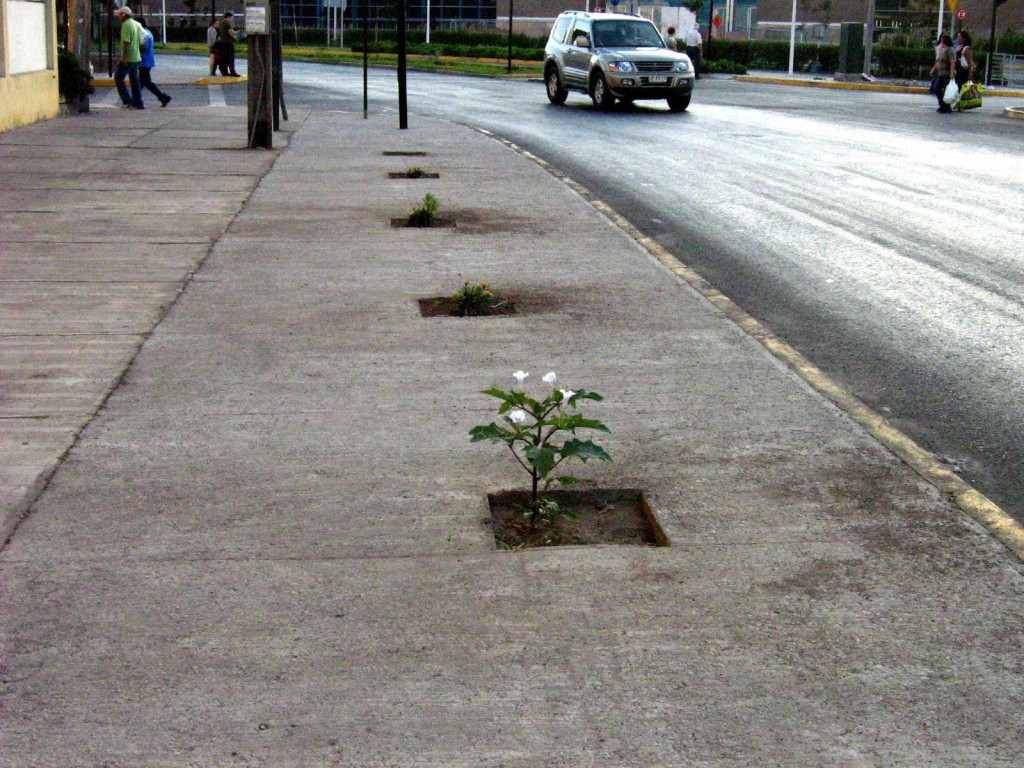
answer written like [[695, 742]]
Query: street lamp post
[[992, 43]]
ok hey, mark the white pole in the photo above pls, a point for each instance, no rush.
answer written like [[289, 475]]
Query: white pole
[[428, 22], [792, 38], [163, 23], [939, 33]]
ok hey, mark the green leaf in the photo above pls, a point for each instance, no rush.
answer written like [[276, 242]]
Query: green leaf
[[567, 480], [490, 432], [495, 392], [542, 458], [583, 450]]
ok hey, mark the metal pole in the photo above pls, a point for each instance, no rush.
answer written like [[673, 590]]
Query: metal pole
[[110, 40], [792, 38], [428, 22], [366, 62], [163, 21], [403, 100], [942, 6], [991, 43], [511, 3], [869, 37]]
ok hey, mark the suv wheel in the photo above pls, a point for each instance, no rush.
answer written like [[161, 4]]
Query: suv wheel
[[599, 92], [556, 93], [679, 103]]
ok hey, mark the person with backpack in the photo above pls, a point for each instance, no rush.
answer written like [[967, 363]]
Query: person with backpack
[[148, 62]]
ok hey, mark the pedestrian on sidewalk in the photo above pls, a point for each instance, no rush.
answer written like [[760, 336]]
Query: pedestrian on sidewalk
[[148, 62], [670, 39], [227, 40], [944, 69], [695, 49], [131, 60], [964, 58], [211, 44]]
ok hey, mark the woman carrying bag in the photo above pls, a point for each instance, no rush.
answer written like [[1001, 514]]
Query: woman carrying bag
[[945, 68], [964, 58]]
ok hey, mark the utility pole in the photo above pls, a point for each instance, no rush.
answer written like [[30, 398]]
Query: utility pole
[[991, 43], [261, 73]]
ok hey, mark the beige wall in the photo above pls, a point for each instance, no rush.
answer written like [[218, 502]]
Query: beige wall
[[27, 96]]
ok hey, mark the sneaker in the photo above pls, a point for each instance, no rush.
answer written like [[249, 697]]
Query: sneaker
[[165, 100]]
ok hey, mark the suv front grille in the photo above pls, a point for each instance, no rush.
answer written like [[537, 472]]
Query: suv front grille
[[654, 66]]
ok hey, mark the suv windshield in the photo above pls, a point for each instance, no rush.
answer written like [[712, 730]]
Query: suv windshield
[[626, 34]]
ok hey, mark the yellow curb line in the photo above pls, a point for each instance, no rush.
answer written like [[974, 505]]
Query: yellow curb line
[[882, 88], [926, 464], [108, 82]]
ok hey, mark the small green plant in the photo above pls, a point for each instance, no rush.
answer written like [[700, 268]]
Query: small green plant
[[415, 172], [73, 80], [531, 428], [474, 300], [425, 214]]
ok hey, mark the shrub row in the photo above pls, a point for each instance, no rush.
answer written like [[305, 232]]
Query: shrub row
[[467, 51]]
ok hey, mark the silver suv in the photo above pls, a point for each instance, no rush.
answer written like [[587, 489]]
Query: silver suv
[[614, 56]]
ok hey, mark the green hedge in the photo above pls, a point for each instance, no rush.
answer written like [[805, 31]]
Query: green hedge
[[467, 51]]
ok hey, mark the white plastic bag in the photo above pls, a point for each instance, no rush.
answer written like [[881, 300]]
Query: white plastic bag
[[952, 93]]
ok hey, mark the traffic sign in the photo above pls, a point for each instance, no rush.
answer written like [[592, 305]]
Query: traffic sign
[[717, 21], [961, 14]]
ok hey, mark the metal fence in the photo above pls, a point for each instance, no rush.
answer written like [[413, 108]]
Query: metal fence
[[1007, 69]]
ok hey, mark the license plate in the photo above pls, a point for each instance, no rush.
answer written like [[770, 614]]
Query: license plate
[[658, 79]]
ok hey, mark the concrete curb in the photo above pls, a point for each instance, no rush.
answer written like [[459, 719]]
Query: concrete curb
[[879, 87], [926, 464]]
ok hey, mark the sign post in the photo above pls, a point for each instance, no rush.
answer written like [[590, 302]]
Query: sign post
[[261, 73]]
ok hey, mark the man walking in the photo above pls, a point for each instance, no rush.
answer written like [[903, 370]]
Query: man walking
[[131, 60], [227, 41], [695, 49]]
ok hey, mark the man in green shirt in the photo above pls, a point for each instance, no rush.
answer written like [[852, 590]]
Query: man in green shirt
[[131, 59], [226, 34]]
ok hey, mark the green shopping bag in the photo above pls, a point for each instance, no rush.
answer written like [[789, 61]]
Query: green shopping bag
[[970, 96]]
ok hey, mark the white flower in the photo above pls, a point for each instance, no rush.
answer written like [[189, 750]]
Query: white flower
[[566, 394], [550, 379], [520, 376], [518, 416]]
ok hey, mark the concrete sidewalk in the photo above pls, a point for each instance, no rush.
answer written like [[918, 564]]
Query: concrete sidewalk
[[269, 546]]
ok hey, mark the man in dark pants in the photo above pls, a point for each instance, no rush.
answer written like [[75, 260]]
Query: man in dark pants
[[227, 40]]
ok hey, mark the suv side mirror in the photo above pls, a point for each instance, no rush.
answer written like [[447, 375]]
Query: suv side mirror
[[581, 41]]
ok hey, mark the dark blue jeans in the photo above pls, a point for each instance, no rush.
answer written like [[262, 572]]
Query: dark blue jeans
[[130, 69]]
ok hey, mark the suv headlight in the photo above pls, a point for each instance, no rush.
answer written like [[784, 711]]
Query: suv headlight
[[624, 67], [681, 66]]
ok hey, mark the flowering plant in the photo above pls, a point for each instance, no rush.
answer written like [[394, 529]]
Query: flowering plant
[[530, 430], [471, 300]]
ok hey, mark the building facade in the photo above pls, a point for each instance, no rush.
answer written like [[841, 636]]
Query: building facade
[[28, 62]]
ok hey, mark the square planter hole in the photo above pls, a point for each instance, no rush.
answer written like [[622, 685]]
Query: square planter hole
[[407, 175], [404, 153], [446, 306], [403, 221], [603, 516]]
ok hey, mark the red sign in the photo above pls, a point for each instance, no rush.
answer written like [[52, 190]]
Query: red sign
[[717, 21], [961, 14]]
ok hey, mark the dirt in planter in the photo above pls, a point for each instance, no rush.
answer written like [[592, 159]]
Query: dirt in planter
[[403, 221], [603, 516], [447, 306], [405, 175]]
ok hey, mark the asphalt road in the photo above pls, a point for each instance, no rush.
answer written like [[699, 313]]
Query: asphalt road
[[882, 240]]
